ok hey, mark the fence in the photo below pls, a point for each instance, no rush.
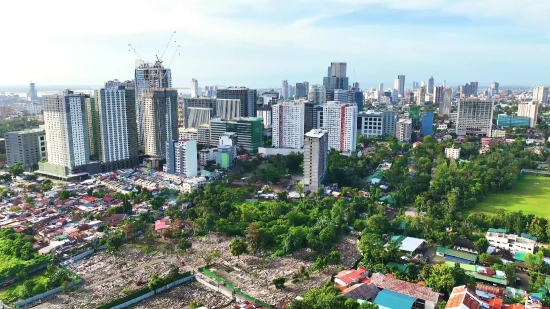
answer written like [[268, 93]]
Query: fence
[[234, 289], [45, 294], [142, 294]]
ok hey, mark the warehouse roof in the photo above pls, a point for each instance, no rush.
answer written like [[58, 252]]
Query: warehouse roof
[[458, 254]]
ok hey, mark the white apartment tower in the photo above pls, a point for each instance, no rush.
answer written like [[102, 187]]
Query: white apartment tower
[[288, 125], [315, 159], [474, 117], [160, 120], [194, 88], [340, 121], [181, 157], [403, 130], [117, 123], [317, 94], [529, 109], [66, 131], [540, 94]]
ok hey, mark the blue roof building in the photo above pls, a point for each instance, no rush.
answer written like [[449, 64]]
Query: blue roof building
[[393, 300]]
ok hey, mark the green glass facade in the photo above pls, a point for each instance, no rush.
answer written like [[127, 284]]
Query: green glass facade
[[414, 113]]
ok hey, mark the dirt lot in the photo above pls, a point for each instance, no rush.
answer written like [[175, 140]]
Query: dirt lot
[[108, 277], [181, 296], [253, 274]]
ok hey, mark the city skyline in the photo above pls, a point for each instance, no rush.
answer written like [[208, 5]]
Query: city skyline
[[237, 44]]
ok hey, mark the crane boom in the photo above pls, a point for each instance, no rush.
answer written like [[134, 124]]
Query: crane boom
[[173, 56], [167, 44], [130, 45]]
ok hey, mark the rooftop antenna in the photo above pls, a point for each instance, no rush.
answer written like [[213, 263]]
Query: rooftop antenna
[[169, 41], [132, 48]]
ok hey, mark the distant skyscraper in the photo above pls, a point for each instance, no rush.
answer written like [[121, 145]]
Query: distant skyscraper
[[195, 88], [421, 95], [284, 90], [317, 94], [117, 127], [401, 85], [540, 94], [149, 75], [474, 88], [340, 120], [315, 159], [445, 105], [355, 87], [66, 132], [474, 117], [32, 95], [288, 125], [301, 90], [381, 88], [529, 109], [431, 85], [247, 97], [336, 79], [438, 95], [160, 120], [494, 88]]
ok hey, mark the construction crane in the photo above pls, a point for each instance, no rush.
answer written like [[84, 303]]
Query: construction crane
[[169, 64], [132, 48], [169, 41]]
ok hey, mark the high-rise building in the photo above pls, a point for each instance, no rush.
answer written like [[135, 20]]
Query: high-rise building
[[414, 113], [317, 94], [421, 99], [285, 94], [92, 126], [494, 88], [474, 117], [26, 147], [288, 124], [401, 85], [529, 109], [66, 131], [474, 88], [359, 99], [181, 116], [116, 123], [301, 90], [249, 131], [160, 120], [247, 97], [315, 159], [203, 135], [431, 85], [149, 75], [380, 91], [181, 157], [341, 95], [265, 112], [32, 95], [438, 95], [340, 121], [371, 123], [310, 118], [198, 110], [336, 79], [403, 130], [195, 88], [427, 121], [540, 94], [445, 105], [228, 108]]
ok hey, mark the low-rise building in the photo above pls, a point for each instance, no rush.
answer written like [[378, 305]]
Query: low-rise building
[[412, 295], [462, 298], [452, 153], [500, 239]]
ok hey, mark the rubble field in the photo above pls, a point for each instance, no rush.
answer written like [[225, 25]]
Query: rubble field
[[182, 295], [253, 274]]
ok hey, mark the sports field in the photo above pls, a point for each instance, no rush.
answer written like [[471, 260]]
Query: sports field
[[530, 195]]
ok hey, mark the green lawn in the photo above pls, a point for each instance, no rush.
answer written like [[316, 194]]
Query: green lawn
[[530, 195]]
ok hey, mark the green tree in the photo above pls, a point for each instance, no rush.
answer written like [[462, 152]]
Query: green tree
[[237, 247], [209, 257], [279, 282], [157, 202], [183, 245], [16, 169], [441, 279], [195, 304], [254, 236], [481, 245]]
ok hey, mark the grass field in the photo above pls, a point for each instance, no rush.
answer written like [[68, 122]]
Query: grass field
[[530, 195]]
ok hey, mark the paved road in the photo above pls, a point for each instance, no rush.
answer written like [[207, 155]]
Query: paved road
[[173, 260]]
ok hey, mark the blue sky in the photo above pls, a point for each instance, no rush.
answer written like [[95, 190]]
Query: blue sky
[[258, 43]]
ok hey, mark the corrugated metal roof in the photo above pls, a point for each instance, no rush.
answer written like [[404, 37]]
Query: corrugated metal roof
[[458, 254], [491, 230], [394, 300], [463, 266], [404, 287]]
